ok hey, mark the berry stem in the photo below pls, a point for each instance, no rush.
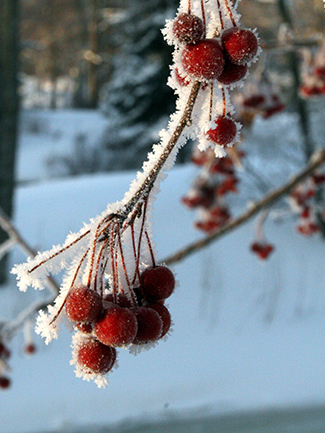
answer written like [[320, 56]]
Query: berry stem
[[150, 249], [211, 101], [224, 102], [71, 285], [231, 16], [220, 16], [124, 268], [203, 19], [189, 7], [59, 252]]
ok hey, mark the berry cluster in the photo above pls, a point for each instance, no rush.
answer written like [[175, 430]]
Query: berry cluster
[[209, 190], [216, 56], [304, 201], [260, 97], [113, 320], [313, 74]]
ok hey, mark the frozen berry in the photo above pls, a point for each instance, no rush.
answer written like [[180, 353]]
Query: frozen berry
[[117, 327], [224, 132], [121, 300], [188, 28], [204, 60], [240, 45], [83, 304], [232, 73], [96, 356], [164, 315], [254, 101], [86, 328], [4, 382], [150, 325], [182, 81], [157, 283]]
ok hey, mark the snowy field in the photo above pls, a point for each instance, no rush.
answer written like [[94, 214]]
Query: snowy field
[[247, 335]]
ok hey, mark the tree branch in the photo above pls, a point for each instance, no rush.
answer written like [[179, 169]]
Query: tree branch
[[316, 161]]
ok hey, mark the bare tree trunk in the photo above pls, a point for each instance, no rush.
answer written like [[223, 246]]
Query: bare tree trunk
[[9, 104], [302, 108], [93, 46]]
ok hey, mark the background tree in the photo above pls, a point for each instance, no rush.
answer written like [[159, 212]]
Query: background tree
[[9, 104]]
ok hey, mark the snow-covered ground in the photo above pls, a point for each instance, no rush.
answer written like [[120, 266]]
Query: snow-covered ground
[[247, 335]]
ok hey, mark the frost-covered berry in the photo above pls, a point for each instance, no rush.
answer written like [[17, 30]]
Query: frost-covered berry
[[83, 304], [188, 28], [232, 73], [224, 132], [118, 326], [157, 283], [121, 300], [240, 45], [164, 315], [182, 81], [204, 60], [95, 356], [150, 325]]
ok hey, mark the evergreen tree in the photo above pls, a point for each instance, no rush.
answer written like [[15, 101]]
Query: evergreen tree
[[137, 99]]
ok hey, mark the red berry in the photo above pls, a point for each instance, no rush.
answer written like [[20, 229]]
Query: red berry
[[117, 327], [182, 81], [86, 328], [83, 304], [150, 325], [232, 73], [188, 28], [30, 348], [96, 356], [240, 45], [254, 101], [224, 132], [4, 382], [121, 300], [157, 283], [204, 60], [4, 352], [163, 314]]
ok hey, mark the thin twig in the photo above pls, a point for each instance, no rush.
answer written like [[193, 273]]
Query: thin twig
[[15, 236], [266, 201]]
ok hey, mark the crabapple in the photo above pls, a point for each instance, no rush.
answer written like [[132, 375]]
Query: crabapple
[[83, 304], [4, 382], [224, 132], [30, 348], [121, 300], [118, 326], [188, 28], [164, 315], [96, 356], [232, 73], [150, 325], [157, 283], [240, 45], [204, 60]]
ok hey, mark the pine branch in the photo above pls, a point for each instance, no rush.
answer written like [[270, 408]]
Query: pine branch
[[316, 161]]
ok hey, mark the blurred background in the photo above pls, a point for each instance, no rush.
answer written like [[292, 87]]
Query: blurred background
[[83, 93]]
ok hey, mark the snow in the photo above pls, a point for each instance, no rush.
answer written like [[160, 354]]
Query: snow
[[246, 335], [244, 331]]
